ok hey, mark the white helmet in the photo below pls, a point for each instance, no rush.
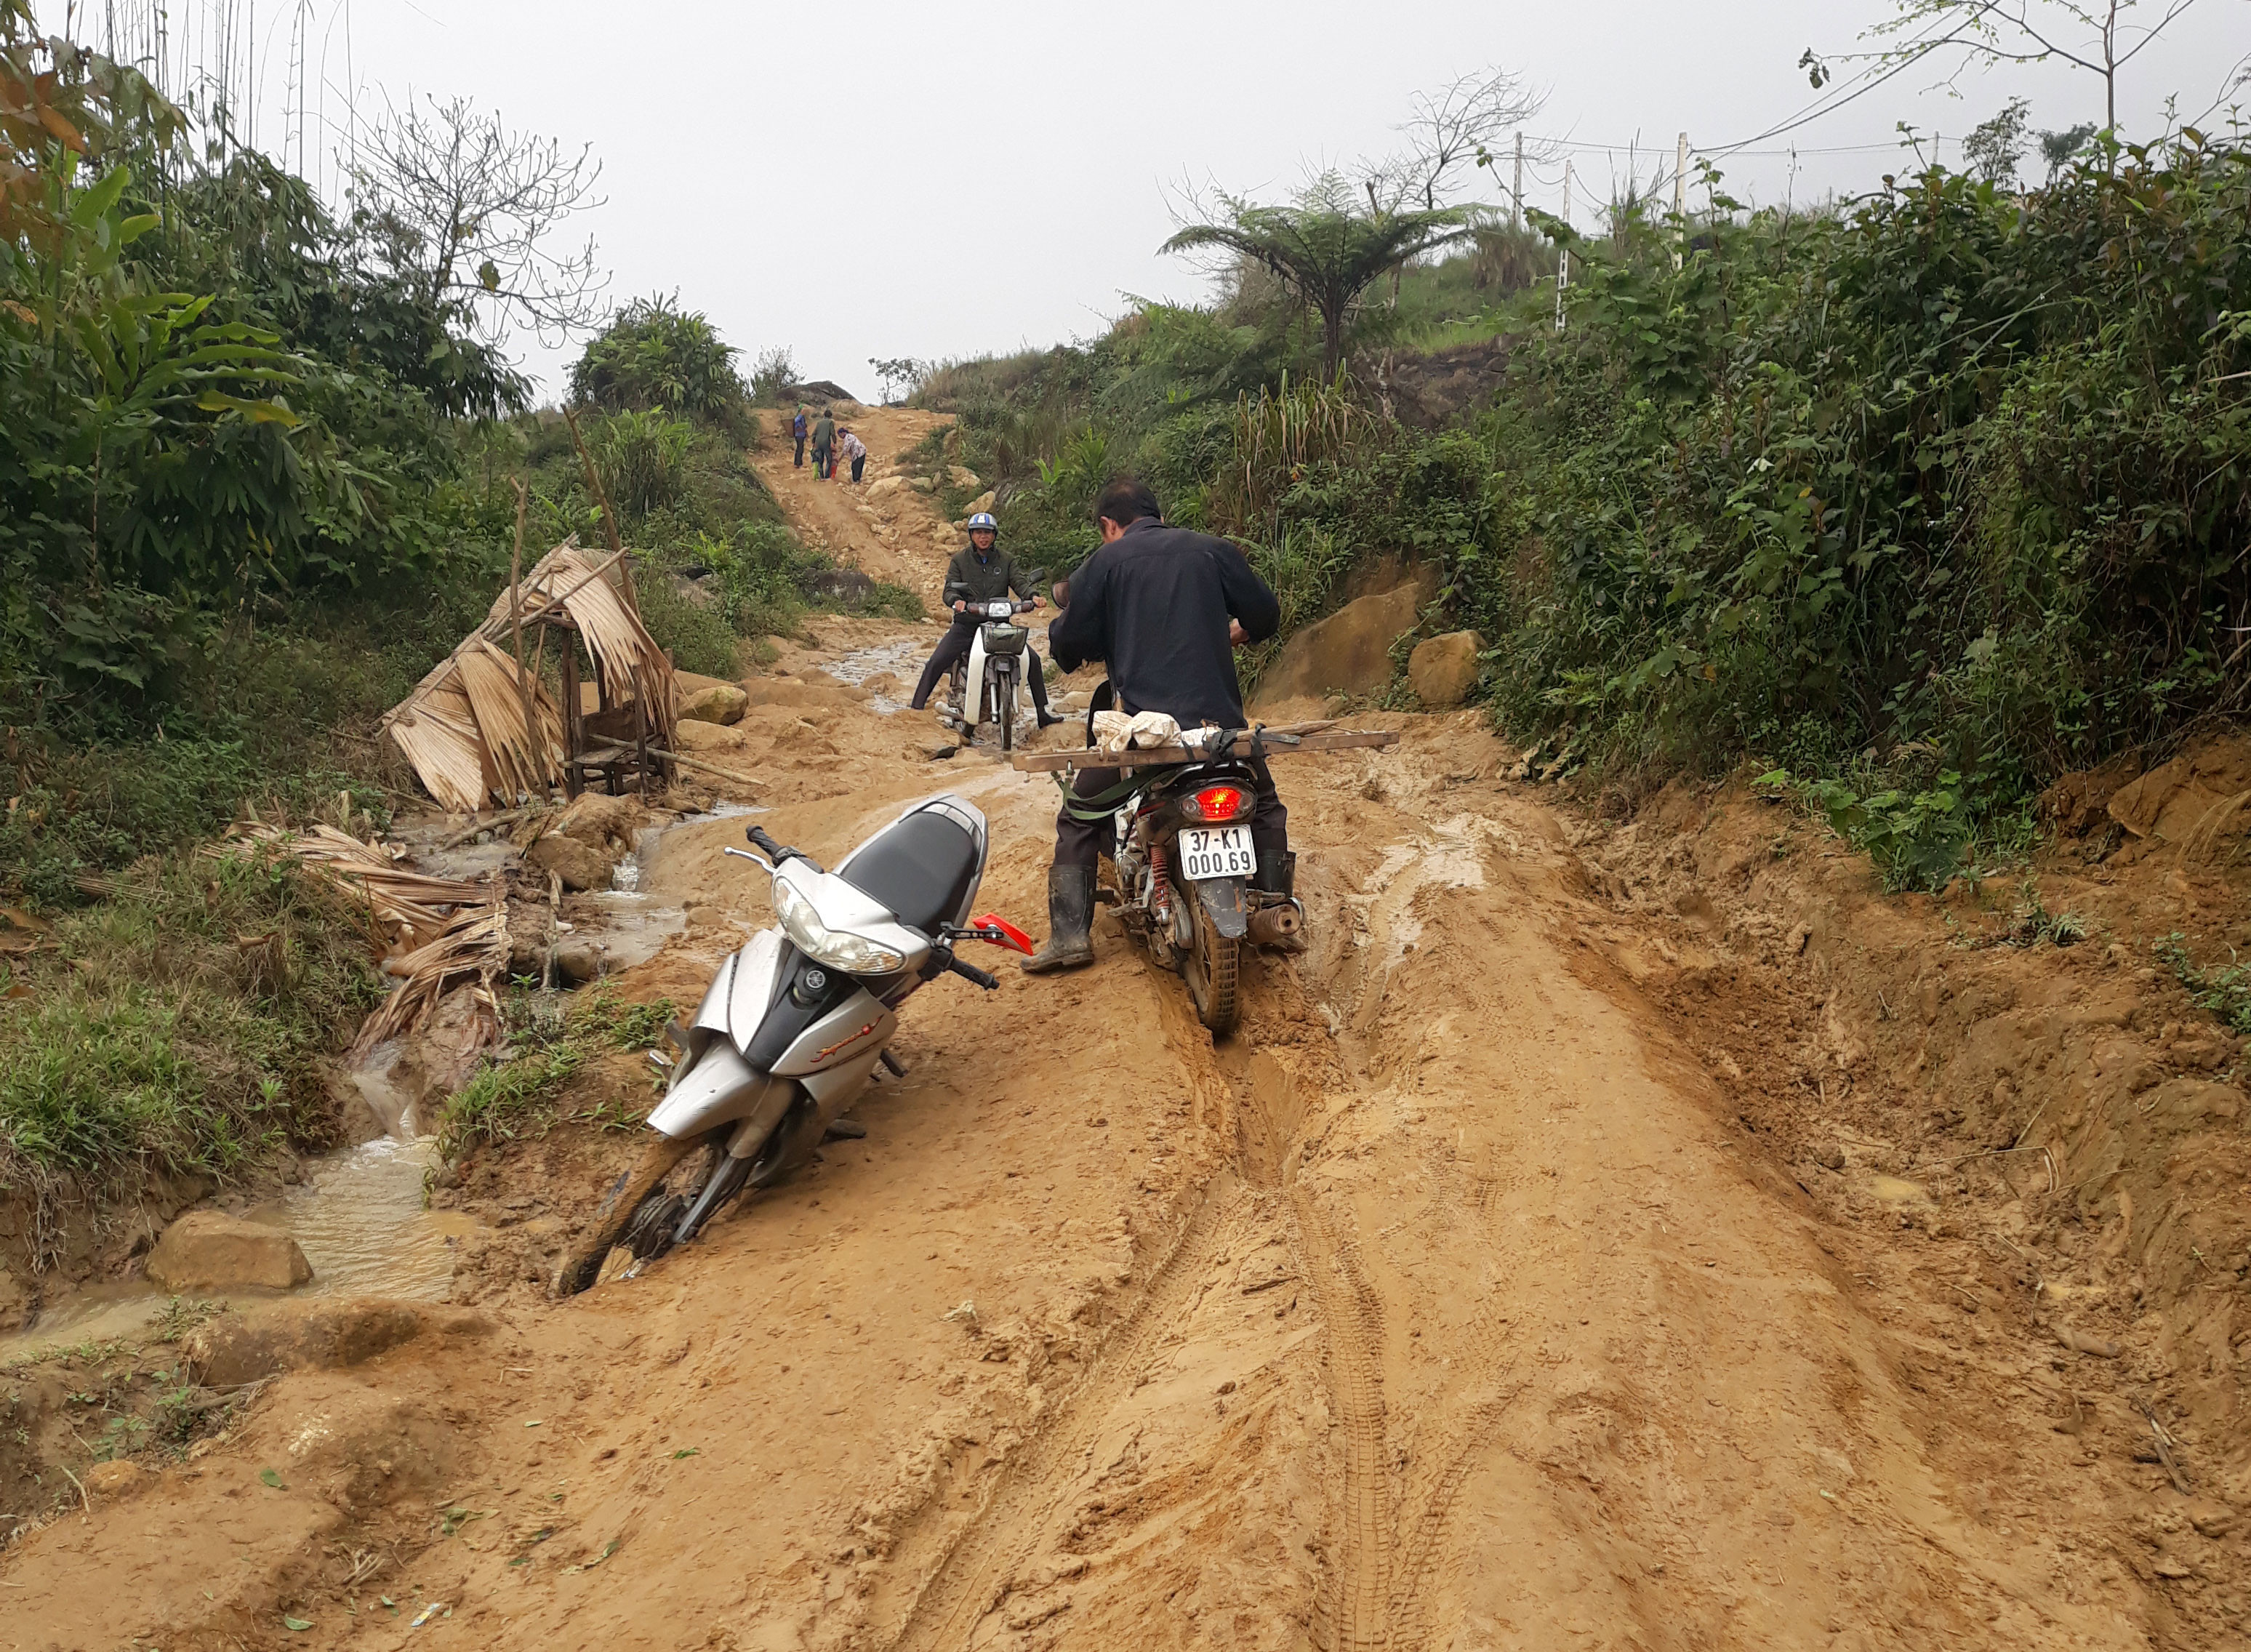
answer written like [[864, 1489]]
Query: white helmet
[[986, 521]]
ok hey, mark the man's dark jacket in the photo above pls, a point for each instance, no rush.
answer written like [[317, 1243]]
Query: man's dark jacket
[[970, 578], [1154, 604]]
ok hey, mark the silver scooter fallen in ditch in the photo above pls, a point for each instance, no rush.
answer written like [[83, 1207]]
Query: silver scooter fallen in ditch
[[794, 1026]]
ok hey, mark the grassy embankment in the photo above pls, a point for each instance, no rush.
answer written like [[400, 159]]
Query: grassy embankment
[[1922, 501]]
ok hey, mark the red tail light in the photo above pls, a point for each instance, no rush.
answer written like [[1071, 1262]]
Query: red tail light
[[1220, 802]]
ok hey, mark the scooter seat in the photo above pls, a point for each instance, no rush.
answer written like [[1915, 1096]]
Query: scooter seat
[[923, 866]]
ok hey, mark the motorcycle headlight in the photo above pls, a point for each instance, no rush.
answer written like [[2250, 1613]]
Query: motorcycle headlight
[[838, 949]]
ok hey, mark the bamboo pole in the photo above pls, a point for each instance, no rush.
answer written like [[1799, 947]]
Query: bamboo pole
[[609, 517], [1162, 756], [515, 618]]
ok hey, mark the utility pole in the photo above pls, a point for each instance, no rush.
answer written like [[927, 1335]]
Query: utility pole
[[1520, 180], [1680, 198], [1563, 249]]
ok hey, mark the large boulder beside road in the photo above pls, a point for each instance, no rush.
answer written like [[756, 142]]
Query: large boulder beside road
[[1348, 653], [1443, 670], [210, 1250], [721, 703]]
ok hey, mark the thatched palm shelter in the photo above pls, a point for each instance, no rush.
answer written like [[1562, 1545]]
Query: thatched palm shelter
[[482, 729]]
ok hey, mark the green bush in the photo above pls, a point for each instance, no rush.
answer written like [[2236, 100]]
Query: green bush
[[180, 1026], [1946, 483], [644, 460], [655, 357]]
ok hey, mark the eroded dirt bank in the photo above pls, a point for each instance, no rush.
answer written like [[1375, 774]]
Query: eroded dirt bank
[[1572, 1250]]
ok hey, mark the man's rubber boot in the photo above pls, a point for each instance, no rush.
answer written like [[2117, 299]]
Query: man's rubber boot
[[1070, 922]]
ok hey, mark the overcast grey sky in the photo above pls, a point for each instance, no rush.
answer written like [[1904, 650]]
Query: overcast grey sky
[[879, 178]]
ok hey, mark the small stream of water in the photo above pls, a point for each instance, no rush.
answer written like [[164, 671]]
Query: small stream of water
[[359, 1214], [359, 1217]]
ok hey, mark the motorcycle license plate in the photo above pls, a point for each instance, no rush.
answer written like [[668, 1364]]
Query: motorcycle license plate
[[1217, 851]]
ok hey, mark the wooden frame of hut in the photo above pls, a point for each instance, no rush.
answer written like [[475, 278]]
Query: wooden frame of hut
[[482, 729]]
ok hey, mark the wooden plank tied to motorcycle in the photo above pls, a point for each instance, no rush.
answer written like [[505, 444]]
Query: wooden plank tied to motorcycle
[[1280, 740]]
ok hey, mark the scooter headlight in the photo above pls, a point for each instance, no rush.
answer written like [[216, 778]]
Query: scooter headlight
[[838, 949]]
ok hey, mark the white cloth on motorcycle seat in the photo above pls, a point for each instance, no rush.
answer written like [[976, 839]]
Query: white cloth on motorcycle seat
[[1115, 732]]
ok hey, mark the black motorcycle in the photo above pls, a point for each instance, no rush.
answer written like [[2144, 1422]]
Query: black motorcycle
[[1187, 872]]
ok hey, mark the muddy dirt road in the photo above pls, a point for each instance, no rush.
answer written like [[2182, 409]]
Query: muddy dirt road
[[1449, 1306]]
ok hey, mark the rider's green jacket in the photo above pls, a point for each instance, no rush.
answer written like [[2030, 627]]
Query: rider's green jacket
[[970, 578]]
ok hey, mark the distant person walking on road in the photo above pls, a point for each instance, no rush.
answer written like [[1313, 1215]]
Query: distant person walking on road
[[824, 445], [797, 430], [856, 451]]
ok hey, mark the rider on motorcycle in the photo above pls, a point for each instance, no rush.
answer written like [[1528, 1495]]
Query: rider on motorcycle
[[979, 572], [1162, 607]]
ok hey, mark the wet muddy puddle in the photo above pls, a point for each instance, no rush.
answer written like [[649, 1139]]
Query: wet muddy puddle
[[359, 1217], [901, 660]]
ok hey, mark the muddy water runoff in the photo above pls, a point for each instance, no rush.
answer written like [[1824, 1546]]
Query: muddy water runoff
[[359, 1217]]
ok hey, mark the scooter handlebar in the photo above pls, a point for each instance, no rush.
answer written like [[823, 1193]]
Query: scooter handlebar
[[970, 972]]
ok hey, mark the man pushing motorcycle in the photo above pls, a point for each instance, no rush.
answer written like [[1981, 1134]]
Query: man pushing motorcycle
[[979, 572], [1164, 609]]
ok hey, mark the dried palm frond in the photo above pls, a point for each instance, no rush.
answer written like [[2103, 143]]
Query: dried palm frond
[[435, 931], [473, 944]]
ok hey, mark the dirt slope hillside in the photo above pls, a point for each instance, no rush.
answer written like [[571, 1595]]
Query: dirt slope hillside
[[1550, 1262]]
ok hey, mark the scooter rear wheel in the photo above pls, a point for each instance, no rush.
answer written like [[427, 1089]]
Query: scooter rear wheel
[[584, 1265], [1213, 969]]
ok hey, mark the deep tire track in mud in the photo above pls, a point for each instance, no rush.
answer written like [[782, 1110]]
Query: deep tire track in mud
[[1356, 1607], [969, 1568], [1462, 1432]]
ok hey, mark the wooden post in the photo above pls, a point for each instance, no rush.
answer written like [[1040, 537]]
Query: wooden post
[[1563, 252], [1680, 198], [569, 654], [516, 621], [1519, 181]]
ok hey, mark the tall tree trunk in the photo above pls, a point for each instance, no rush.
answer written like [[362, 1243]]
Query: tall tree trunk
[[1332, 340]]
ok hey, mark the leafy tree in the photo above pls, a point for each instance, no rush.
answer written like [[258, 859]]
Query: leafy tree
[[898, 370], [466, 212], [2058, 149], [1993, 149], [774, 372], [258, 237], [655, 356], [1324, 248]]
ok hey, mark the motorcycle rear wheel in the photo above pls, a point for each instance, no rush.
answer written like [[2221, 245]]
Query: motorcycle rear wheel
[[583, 1264], [1213, 969]]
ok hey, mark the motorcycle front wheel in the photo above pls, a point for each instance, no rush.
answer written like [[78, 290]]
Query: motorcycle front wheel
[[1213, 969], [1004, 702], [615, 1213]]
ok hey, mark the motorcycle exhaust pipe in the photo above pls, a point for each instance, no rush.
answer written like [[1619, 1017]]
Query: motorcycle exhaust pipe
[[1271, 926]]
